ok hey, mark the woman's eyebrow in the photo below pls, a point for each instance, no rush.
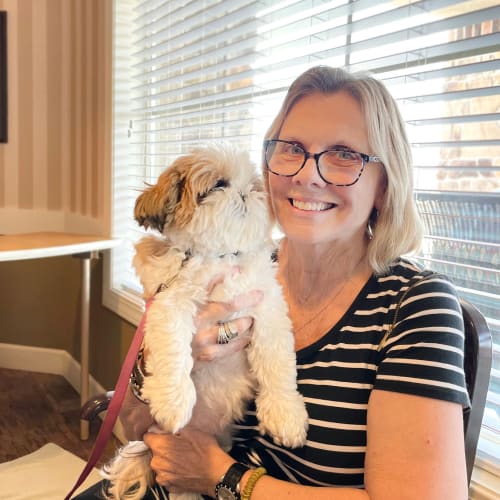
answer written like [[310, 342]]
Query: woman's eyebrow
[[341, 147], [292, 139], [334, 146]]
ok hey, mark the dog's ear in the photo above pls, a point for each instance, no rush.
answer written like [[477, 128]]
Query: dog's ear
[[155, 207], [187, 201]]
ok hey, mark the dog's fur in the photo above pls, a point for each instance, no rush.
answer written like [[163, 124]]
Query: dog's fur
[[212, 211]]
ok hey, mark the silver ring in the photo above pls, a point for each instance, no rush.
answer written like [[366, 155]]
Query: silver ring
[[225, 333], [221, 335], [231, 334]]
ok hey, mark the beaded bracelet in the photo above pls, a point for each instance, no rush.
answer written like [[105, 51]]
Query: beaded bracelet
[[250, 485]]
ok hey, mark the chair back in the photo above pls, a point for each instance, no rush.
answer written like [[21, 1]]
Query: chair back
[[477, 366]]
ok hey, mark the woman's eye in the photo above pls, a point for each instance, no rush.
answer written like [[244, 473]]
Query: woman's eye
[[346, 155], [296, 150]]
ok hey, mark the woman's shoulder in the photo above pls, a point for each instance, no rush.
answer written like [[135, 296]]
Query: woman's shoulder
[[405, 272], [403, 269], [406, 279]]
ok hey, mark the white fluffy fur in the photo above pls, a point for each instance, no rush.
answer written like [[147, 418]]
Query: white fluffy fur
[[225, 227]]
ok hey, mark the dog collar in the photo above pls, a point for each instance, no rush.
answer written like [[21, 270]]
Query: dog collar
[[234, 254], [163, 286]]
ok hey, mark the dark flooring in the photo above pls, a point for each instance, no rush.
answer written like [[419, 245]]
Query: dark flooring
[[40, 408]]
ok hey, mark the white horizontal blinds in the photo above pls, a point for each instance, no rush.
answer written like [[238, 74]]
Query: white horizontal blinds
[[127, 179], [191, 81], [452, 107], [195, 77], [206, 70]]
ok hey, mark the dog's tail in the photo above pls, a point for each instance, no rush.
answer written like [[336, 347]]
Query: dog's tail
[[129, 472]]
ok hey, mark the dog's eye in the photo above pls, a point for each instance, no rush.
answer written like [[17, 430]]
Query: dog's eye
[[221, 183]]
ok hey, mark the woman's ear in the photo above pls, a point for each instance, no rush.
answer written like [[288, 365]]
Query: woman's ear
[[380, 192]]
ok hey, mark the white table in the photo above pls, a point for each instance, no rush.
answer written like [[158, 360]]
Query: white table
[[52, 244]]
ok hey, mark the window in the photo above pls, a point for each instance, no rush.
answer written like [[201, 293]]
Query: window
[[191, 72]]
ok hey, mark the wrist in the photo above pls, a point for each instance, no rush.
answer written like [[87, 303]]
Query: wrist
[[228, 486], [238, 482], [249, 481]]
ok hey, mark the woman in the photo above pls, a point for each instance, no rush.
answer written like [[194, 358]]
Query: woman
[[384, 393]]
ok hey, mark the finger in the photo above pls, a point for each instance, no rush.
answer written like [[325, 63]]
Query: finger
[[229, 330], [245, 301], [150, 438], [219, 278], [219, 312], [214, 312], [216, 351], [162, 480], [216, 280]]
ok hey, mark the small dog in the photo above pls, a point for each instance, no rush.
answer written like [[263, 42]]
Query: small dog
[[212, 212]]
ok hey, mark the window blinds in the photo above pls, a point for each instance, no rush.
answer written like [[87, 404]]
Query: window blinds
[[188, 72]]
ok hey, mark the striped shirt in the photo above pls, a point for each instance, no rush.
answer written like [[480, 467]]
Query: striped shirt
[[422, 355]]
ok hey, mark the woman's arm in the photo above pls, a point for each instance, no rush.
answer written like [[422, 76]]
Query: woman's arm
[[192, 461], [415, 448], [415, 439]]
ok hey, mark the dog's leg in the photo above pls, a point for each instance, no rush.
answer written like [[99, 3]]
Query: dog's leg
[[280, 407], [169, 331]]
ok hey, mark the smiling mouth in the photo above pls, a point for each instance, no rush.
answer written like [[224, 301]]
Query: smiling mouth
[[308, 206]]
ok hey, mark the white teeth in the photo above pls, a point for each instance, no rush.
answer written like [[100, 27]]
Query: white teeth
[[311, 206]]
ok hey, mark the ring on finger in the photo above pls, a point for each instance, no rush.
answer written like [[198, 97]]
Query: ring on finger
[[231, 334], [225, 333], [222, 337]]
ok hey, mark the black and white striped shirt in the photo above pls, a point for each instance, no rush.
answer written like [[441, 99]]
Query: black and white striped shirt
[[423, 355]]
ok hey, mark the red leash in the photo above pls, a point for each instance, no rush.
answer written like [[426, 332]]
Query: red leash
[[114, 405]]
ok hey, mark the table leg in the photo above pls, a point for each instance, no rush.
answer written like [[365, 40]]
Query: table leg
[[84, 337]]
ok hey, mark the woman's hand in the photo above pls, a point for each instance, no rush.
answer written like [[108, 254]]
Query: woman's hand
[[187, 461], [212, 314]]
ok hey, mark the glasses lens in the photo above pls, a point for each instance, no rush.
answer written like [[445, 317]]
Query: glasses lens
[[340, 167], [284, 158]]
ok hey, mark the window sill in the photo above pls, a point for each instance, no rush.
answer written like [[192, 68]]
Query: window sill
[[128, 305]]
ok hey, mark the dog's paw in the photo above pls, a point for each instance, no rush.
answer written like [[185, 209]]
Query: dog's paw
[[285, 420], [175, 414]]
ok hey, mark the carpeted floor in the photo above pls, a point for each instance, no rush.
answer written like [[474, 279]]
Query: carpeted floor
[[39, 408]]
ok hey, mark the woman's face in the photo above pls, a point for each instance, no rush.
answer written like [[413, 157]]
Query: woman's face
[[308, 209]]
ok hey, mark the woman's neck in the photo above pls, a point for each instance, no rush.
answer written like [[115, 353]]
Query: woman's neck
[[311, 274]]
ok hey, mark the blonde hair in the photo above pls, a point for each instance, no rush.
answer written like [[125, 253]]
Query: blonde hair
[[397, 227]]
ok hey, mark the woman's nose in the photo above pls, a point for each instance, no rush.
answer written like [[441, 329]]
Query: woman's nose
[[309, 174]]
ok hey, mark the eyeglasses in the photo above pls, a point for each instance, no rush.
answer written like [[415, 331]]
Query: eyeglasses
[[340, 167]]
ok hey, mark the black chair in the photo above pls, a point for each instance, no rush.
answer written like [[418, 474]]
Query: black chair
[[477, 366]]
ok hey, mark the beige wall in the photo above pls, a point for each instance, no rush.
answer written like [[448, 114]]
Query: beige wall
[[55, 169], [55, 173]]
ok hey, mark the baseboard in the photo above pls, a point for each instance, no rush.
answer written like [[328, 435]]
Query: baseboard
[[54, 361]]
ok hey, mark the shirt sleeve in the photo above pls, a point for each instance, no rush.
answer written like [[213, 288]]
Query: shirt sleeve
[[424, 353]]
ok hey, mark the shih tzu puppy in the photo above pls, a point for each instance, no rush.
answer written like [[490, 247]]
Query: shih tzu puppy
[[211, 211]]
